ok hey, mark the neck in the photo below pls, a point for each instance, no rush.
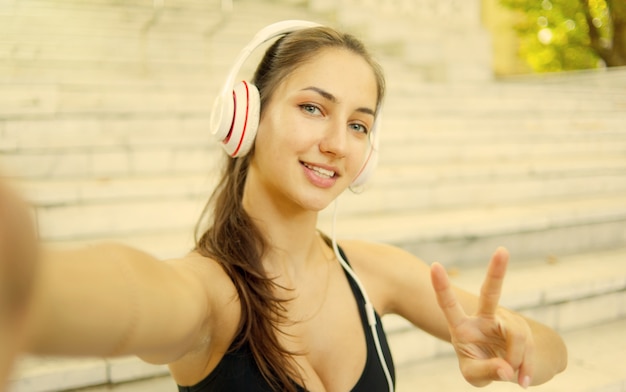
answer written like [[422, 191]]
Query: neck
[[291, 232], [294, 243]]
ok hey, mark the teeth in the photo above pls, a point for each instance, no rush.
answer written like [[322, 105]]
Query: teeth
[[320, 171]]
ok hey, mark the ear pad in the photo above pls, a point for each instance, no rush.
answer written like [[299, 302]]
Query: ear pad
[[244, 119]]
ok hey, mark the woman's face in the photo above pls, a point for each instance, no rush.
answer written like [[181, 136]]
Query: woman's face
[[313, 135]]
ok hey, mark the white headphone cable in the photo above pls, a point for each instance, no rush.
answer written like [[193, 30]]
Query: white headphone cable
[[369, 308]]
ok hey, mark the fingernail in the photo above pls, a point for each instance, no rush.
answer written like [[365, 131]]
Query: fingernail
[[502, 375], [526, 382]]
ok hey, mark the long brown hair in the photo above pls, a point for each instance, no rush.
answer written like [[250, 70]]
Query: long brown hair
[[233, 239]]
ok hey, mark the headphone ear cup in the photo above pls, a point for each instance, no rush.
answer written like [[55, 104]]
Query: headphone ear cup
[[372, 158], [367, 171], [246, 112]]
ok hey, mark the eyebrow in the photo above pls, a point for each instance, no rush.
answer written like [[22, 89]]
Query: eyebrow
[[325, 94]]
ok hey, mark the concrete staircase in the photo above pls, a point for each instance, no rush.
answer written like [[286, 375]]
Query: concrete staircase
[[104, 109]]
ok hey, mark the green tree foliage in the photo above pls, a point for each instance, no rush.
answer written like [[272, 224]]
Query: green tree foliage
[[557, 35]]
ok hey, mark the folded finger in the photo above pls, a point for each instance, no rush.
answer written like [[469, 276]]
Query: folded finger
[[525, 373], [480, 372]]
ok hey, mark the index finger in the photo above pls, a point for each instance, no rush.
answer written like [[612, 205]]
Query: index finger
[[452, 309], [492, 286]]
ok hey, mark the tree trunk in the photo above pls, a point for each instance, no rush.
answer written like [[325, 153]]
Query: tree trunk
[[618, 18], [614, 55]]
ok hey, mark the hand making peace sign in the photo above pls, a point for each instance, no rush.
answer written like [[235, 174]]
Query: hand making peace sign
[[493, 344]]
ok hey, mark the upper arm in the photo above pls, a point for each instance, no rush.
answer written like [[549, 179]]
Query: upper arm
[[201, 292], [170, 323]]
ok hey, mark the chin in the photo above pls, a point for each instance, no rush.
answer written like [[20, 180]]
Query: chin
[[319, 205]]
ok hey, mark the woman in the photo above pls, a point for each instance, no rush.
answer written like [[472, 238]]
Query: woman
[[264, 302]]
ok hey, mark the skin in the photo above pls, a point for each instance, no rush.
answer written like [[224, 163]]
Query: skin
[[17, 267], [185, 312]]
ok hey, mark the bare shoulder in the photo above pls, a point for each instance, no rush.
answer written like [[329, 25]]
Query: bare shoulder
[[222, 318], [386, 271], [378, 258], [209, 276], [202, 267], [218, 290]]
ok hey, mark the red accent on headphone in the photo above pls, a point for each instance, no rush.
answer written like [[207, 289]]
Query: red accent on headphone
[[245, 124]]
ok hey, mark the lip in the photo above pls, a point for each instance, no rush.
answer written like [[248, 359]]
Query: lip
[[314, 177]]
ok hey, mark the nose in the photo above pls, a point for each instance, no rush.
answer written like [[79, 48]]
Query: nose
[[334, 140]]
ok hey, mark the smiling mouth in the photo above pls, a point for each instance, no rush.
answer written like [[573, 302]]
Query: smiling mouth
[[320, 171]]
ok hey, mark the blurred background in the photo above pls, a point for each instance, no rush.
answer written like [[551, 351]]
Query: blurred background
[[505, 124]]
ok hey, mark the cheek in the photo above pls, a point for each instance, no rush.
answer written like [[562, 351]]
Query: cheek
[[280, 134], [361, 153]]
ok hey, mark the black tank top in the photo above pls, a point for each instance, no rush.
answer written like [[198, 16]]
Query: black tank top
[[238, 372]]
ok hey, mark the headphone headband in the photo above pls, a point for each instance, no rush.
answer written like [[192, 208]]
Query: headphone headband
[[223, 113], [272, 31]]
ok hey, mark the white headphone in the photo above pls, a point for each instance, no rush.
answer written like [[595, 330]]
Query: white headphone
[[236, 110]]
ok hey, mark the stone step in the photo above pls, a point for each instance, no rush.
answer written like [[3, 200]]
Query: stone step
[[465, 235], [116, 161], [497, 151], [93, 132], [613, 78], [134, 44], [582, 296], [412, 195], [501, 126], [498, 97], [109, 4], [443, 41], [434, 185], [31, 100], [458, 235], [83, 18], [180, 37]]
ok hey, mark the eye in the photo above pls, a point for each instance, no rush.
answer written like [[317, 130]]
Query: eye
[[310, 109], [359, 128]]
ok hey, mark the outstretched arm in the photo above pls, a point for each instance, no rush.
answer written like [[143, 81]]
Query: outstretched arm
[[493, 343], [103, 300], [110, 299]]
